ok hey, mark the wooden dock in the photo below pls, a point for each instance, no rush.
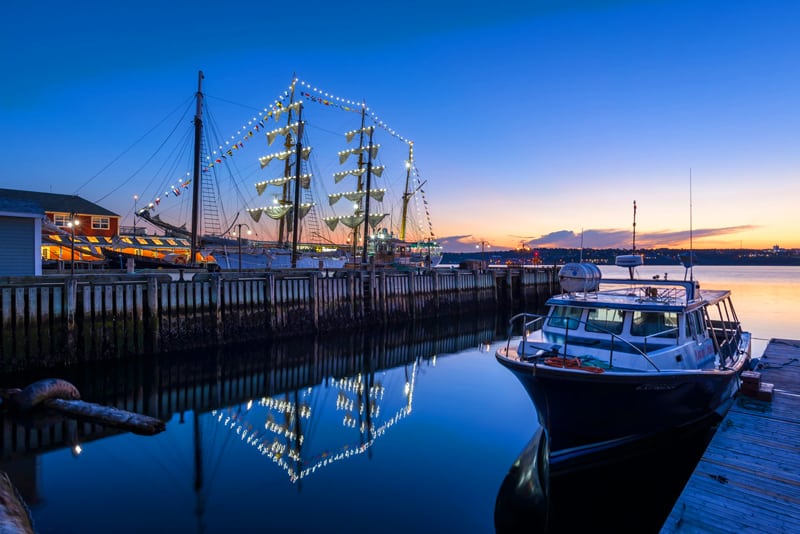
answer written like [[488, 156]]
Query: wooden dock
[[748, 480], [51, 321]]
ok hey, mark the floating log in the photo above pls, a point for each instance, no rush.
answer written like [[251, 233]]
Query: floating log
[[61, 396], [14, 516], [107, 416]]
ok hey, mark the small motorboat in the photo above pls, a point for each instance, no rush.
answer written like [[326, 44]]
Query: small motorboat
[[616, 360]]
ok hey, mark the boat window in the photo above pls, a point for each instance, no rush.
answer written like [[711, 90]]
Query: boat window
[[693, 326], [565, 317], [605, 320], [654, 324]]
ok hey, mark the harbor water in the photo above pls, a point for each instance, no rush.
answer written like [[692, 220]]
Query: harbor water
[[406, 428]]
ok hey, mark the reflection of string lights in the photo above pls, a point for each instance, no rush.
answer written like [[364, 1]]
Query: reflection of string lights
[[279, 452], [284, 406]]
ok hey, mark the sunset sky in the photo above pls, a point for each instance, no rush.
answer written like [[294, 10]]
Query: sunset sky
[[533, 121]]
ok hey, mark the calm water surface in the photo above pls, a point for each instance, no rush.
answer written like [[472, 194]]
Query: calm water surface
[[411, 429]]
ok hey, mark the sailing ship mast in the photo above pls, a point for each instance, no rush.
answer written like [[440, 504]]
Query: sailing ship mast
[[287, 169], [198, 137], [364, 189], [295, 209], [284, 208]]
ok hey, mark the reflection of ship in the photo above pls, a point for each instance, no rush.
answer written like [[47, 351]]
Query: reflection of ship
[[280, 424], [227, 395]]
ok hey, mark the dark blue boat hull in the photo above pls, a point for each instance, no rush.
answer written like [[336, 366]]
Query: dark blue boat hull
[[581, 409]]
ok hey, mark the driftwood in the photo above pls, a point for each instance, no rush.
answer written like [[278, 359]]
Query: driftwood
[[107, 416], [14, 516], [62, 397]]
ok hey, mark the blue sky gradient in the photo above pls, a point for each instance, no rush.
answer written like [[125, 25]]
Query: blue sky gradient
[[537, 122]]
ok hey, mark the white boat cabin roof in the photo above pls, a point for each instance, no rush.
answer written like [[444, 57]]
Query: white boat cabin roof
[[644, 295]]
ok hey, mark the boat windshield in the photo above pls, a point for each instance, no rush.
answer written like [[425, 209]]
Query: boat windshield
[[661, 324], [565, 317], [605, 320]]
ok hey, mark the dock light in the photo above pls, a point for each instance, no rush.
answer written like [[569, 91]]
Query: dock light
[[73, 222], [135, 200], [482, 245]]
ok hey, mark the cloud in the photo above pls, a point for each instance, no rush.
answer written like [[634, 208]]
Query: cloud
[[458, 243], [616, 238]]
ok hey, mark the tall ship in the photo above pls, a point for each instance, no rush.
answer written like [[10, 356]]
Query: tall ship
[[291, 214]]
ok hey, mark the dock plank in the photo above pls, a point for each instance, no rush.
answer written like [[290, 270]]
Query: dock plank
[[748, 479]]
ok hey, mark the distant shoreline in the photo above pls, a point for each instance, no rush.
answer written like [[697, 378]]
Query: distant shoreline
[[667, 257]]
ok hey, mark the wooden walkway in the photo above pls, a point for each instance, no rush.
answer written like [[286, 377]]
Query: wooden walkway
[[748, 479]]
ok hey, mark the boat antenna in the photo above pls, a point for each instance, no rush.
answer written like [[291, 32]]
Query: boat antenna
[[581, 256], [691, 247], [633, 250]]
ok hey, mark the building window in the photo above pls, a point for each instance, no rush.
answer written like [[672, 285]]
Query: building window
[[61, 219], [101, 223]]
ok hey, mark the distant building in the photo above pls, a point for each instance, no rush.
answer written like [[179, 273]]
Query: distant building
[[92, 219], [64, 216], [21, 235]]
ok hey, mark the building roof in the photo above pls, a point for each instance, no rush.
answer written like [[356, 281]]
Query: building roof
[[16, 206], [54, 202]]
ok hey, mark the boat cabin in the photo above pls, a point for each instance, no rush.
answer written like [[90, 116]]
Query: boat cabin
[[644, 324]]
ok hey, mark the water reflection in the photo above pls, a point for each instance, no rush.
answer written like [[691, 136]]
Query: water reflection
[[523, 501], [544, 492], [366, 406], [300, 405]]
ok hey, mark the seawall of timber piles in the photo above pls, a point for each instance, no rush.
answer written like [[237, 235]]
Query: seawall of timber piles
[[57, 320]]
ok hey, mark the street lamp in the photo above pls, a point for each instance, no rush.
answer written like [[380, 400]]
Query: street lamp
[[482, 245], [239, 236], [73, 222], [135, 200]]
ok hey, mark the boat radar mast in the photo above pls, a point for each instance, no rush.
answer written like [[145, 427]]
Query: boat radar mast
[[632, 260]]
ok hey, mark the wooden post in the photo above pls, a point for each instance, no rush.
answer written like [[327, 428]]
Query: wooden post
[[34, 327], [20, 332], [138, 316], [152, 322], [435, 275], [72, 303], [412, 294], [510, 288], [269, 305], [312, 297], [380, 291], [216, 306]]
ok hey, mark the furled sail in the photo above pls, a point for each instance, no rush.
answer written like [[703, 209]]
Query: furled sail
[[356, 196], [266, 160], [354, 221], [305, 182], [283, 131], [344, 154], [278, 211]]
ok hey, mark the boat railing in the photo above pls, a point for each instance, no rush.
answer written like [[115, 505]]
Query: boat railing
[[530, 320]]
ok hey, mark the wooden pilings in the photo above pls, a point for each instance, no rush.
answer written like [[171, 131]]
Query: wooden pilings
[[58, 320]]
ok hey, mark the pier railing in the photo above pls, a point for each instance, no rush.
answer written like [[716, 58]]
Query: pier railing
[[55, 320]]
